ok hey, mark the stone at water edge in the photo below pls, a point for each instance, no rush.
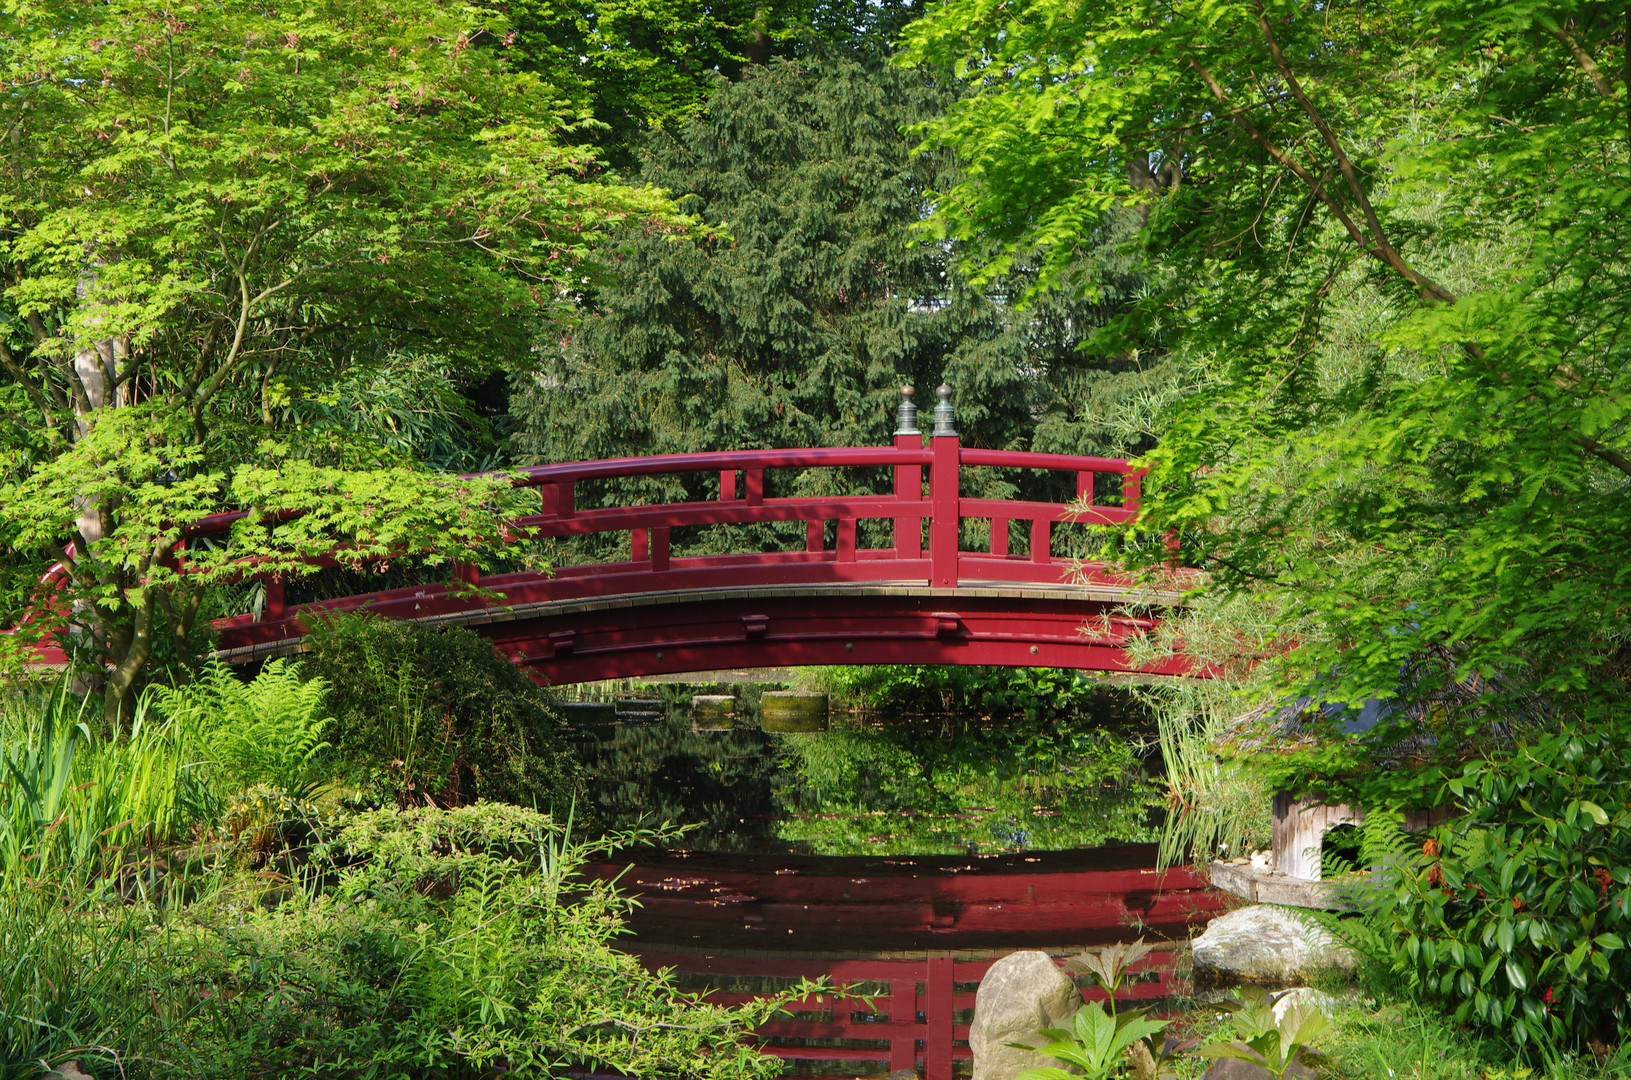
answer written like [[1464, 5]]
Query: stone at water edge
[[791, 711], [1022, 994], [68, 1070], [713, 712], [1264, 943]]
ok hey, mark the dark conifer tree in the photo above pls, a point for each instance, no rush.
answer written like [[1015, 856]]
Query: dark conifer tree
[[815, 297]]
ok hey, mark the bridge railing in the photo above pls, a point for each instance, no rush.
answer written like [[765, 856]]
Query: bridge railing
[[741, 499], [927, 476]]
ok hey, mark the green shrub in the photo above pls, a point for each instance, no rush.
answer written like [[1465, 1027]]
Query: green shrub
[[456, 943], [426, 715], [266, 731], [1515, 914]]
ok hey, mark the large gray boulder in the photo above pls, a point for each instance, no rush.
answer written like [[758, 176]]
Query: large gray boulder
[[1022, 994], [1267, 944]]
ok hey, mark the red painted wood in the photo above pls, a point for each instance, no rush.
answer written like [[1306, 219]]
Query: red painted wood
[[1012, 630], [908, 489], [1022, 459], [943, 482], [999, 537], [938, 1005], [814, 535], [889, 1017], [1041, 553], [1132, 490], [274, 599], [659, 549], [846, 539]]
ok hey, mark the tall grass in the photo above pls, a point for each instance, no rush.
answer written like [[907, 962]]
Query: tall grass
[[76, 975], [72, 801], [1214, 806]]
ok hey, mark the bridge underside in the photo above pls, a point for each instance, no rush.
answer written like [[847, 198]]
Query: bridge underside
[[658, 633], [999, 624], [773, 628]]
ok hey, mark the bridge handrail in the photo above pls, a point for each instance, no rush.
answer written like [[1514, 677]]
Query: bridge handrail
[[720, 460]]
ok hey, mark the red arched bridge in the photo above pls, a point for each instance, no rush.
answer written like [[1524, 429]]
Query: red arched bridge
[[922, 599]]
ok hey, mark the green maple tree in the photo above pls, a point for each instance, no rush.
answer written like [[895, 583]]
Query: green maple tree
[[209, 215]]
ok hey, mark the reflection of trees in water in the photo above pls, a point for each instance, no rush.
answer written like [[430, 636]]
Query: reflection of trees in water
[[723, 782], [889, 789], [912, 786]]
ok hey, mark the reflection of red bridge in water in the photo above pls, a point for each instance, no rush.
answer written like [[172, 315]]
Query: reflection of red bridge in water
[[909, 938], [831, 602]]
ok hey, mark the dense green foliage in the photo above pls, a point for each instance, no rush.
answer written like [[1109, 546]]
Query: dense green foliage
[[426, 715], [214, 218], [631, 66], [1515, 914], [145, 932], [1393, 245]]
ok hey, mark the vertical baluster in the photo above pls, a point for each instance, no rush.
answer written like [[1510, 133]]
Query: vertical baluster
[[546, 499], [1084, 486], [564, 499], [1132, 490], [903, 1011], [937, 992], [815, 535], [659, 548], [1041, 551], [274, 598], [755, 486], [999, 537], [846, 539], [637, 545], [727, 485]]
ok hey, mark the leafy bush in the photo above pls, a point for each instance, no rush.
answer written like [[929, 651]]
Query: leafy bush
[[265, 731], [427, 715], [455, 943], [1515, 914]]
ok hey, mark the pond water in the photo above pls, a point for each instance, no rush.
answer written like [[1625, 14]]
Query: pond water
[[875, 784], [897, 854]]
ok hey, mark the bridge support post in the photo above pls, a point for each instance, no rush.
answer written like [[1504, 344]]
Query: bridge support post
[[908, 479], [943, 495]]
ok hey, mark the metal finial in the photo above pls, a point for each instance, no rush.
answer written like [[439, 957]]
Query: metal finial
[[942, 412], [906, 415]]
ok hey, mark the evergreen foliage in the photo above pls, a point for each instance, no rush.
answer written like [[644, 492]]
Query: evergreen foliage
[[809, 302]]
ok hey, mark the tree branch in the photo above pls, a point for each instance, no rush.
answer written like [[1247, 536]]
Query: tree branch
[[1604, 452], [1379, 247], [1605, 89], [34, 393]]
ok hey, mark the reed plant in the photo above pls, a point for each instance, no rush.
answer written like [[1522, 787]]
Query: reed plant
[[72, 800], [77, 966]]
